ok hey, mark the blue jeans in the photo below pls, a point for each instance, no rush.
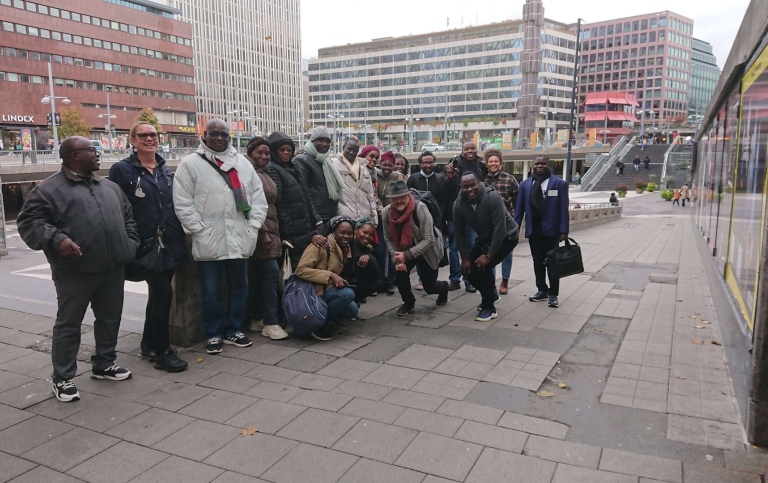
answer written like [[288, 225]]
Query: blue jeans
[[453, 253], [209, 273], [263, 276], [506, 267], [341, 304]]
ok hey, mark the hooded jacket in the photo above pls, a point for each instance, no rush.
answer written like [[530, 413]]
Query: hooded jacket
[[312, 172], [205, 205], [296, 214], [358, 199], [487, 215], [94, 213]]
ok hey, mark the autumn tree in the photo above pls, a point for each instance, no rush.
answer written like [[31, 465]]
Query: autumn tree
[[148, 115], [73, 123]]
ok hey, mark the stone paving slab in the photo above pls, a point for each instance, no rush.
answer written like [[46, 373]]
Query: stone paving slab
[[495, 465], [440, 456], [376, 441], [309, 463]]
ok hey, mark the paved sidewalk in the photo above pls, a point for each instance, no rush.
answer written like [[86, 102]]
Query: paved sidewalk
[[610, 387]]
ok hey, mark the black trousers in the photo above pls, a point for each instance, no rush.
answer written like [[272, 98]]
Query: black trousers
[[484, 281], [158, 310], [428, 276], [540, 245]]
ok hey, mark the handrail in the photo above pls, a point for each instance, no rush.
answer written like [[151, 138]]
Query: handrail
[[597, 166], [666, 157], [618, 151]]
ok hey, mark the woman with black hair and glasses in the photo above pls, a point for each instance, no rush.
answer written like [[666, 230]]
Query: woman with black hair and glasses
[[363, 271], [147, 182]]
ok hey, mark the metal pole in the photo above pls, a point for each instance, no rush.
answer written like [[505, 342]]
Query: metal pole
[[53, 114], [605, 124], [445, 139], [109, 123], [573, 100], [642, 125], [410, 141], [546, 120]]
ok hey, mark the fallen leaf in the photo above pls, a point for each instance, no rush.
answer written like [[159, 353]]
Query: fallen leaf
[[544, 393], [705, 322], [199, 360], [693, 317], [716, 342], [598, 330], [723, 393], [248, 432], [698, 341], [562, 386], [680, 377], [699, 327]]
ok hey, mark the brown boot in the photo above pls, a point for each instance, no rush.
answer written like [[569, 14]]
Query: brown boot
[[503, 289]]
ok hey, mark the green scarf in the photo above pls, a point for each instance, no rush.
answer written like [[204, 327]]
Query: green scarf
[[333, 181]]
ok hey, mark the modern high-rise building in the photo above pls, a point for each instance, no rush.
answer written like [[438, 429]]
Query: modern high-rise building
[[704, 76], [247, 62], [646, 55], [470, 76]]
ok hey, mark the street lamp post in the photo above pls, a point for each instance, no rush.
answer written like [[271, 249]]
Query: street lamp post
[[50, 98], [573, 100], [108, 126]]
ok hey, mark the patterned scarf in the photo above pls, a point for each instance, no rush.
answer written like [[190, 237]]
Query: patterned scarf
[[400, 225], [241, 203]]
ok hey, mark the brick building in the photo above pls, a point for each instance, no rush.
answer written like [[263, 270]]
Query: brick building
[[136, 53]]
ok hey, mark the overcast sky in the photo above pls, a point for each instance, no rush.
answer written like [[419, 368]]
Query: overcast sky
[[327, 23]]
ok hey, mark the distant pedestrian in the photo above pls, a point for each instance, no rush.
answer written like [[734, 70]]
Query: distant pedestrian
[[647, 163], [636, 163], [685, 193], [84, 224], [577, 179], [613, 200], [543, 201], [676, 198], [621, 169]]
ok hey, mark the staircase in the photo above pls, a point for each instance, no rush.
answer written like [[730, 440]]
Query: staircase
[[655, 151]]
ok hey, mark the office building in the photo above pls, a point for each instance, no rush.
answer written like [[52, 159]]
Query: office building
[[647, 55], [470, 77], [704, 76], [132, 55], [247, 62]]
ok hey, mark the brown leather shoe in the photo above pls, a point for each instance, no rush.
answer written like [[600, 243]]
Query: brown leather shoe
[[503, 289]]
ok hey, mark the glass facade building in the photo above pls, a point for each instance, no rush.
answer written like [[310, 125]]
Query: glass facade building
[[469, 76], [704, 76]]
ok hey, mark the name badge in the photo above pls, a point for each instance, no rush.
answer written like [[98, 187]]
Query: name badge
[[551, 192]]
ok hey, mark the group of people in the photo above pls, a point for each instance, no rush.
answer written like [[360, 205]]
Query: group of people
[[354, 224], [646, 162], [683, 194]]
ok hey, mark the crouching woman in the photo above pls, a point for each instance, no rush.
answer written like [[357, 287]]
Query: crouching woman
[[323, 267]]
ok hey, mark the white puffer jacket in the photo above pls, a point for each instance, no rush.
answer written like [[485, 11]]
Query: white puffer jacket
[[205, 205], [358, 199]]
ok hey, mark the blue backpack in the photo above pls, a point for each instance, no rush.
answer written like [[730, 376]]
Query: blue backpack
[[302, 307]]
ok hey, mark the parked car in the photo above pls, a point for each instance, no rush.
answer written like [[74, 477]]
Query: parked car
[[97, 145], [432, 147]]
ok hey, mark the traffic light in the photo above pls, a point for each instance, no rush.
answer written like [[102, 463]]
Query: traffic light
[[57, 117]]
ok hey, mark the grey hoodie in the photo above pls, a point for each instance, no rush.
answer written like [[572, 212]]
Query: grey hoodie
[[487, 215]]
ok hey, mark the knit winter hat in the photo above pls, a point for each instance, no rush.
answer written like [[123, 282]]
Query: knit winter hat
[[389, 155], [320, 132], [367, 149]]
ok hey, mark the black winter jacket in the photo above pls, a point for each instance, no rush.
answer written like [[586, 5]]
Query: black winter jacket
[[296, 214], [312, 172], [157, 190], [489, 218]]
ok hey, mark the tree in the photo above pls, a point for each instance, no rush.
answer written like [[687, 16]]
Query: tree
[[148, 115], [73, 123]]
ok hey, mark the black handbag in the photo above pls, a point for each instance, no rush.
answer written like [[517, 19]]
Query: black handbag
[[149, 256], [566, 260]]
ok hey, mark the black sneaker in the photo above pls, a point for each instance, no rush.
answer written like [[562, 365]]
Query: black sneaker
[[170, 362], [469, 288], [552, 301], [538, 296], [442, 299], [214, 345], [239, 339], [454, 286], [486, 315], [405, 309], [146, 353], [496, 298], [322, 334], [65, 391], [113, 373]]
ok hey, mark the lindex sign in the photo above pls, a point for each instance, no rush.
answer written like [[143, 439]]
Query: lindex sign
[[58, 119]]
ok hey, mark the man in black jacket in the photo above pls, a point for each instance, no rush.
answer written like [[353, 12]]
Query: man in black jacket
[[84, 225], [482, 208], [466, 162], [427, 179], [315, 164]]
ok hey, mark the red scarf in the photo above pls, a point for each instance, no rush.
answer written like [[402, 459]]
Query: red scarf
[[400, 225]]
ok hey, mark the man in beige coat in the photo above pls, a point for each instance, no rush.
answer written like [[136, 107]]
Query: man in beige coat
[[358, 198]]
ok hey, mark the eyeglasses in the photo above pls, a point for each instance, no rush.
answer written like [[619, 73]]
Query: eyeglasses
[[145, 135], [91, 149], [217, 134]]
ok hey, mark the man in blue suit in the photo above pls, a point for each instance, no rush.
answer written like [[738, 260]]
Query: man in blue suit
[[543, 200]]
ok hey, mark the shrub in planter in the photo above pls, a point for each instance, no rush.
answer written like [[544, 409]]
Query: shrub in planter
[[653, 178], [667, 195], [652, 187], [622, 189], [641, 184]]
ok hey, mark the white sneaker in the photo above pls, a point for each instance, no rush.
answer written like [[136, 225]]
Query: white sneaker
[[256, 326], [274, 332]]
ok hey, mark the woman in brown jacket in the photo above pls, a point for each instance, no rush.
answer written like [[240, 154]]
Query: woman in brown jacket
[[263, 267], [323, 267]]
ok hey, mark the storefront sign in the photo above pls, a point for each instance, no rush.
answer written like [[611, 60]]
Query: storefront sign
[[18, 118], [187, 129]]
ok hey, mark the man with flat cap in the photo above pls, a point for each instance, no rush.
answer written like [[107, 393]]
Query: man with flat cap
[[84, 224]]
